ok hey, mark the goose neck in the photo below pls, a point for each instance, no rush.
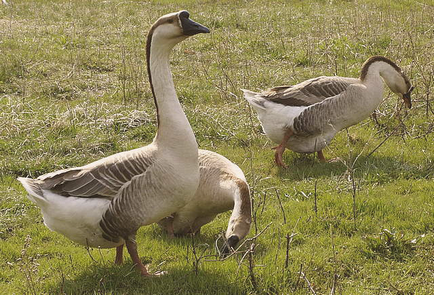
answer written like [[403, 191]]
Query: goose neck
[[373, 75], [242, 204], [173, 125], [371, 72]]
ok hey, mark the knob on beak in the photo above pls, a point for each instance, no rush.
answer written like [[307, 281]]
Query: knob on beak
[[231, 244], [190, 27]]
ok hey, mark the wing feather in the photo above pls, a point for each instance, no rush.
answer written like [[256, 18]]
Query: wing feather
[[102, 178], [315, 119], [308, 92]]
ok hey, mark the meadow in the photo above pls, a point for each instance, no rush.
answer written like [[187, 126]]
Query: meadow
[[74, 88]]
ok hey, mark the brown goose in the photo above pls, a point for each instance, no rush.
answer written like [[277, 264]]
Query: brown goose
[[104, 203], [222, 187], [305, 117]]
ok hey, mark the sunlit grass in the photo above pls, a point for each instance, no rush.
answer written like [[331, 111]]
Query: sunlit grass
[[73, 89]]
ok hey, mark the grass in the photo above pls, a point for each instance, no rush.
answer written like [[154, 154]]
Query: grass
[[73, 88]]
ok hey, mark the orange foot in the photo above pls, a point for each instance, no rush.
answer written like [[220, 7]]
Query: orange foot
[[145, 273], [278, 156], [323, 159]]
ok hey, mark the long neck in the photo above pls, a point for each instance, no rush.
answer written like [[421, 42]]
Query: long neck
[[173, 126], [376, 67], [372, 75], [242, 211]]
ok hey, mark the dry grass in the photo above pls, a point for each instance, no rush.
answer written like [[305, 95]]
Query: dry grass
[[73, 88]]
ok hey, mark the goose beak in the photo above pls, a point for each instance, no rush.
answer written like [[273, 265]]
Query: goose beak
[[231, 244], [189, 27], [406, 97]]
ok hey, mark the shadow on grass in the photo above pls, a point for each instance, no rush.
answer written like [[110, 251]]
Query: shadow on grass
[[126, 280], [375, 167], [103, 276]]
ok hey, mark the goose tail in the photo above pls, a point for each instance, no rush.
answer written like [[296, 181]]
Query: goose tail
[[33, 189], [254, 99]]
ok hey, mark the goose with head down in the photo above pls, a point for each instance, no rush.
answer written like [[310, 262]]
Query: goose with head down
[[222, 186], [305, 117], [104, 203]]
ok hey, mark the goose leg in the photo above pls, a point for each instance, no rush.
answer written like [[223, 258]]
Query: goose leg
[[321, 156], [278, 155], [167, 224], [132, 250], [119, 254], [169, 227], [323, 160]]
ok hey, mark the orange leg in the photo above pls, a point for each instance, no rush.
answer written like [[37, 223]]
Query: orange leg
[[169, 227], [278, 155], [321, 156], [132, 249], [323, 160], [119, 254]]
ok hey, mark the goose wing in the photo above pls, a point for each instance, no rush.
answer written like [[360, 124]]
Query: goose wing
[[102, 178], [330, 113], [135, 206], [308, 92]]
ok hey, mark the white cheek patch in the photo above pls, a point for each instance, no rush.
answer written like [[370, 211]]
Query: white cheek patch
[[179, 23]]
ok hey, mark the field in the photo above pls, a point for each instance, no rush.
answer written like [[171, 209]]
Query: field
[[74, 88]]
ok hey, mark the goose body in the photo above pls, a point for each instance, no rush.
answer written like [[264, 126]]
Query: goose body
[[305, 117], [222, 187], [104, 203]]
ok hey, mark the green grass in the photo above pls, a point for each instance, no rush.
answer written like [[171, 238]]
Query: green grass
[[73, 89]]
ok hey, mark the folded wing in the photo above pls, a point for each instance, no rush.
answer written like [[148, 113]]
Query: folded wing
[[102, 178], [308, 92]]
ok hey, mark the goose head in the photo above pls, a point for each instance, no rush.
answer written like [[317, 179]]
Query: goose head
[[238, 228], [399, 84], [173, 28], [392, 75]]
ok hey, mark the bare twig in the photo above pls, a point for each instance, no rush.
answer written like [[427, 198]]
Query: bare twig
[[298, 278], [281, 207], [354, 190], [241, 260], [308, 283], [249, 254], [239, 247], [289, 239], [26, 265], [335, 275], [197, 258], [88, 252], [251, 266], [254, 211], [384, 140], [315, 200], [263, 202]]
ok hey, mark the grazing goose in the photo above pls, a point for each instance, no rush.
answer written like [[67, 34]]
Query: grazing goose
[[222, 187], [104, 203], [305, 117]]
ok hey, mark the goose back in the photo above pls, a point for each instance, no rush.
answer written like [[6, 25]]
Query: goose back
[[308, 92], [102, 178]]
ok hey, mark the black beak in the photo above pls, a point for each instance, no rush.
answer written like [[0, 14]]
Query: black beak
[[231, 244], [190, 27], [407, 98]]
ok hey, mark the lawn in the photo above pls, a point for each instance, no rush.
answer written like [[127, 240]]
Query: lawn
[[74, 88]]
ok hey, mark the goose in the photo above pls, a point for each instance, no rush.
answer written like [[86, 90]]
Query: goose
[[305, 117], [222, 186], [104, 203]]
